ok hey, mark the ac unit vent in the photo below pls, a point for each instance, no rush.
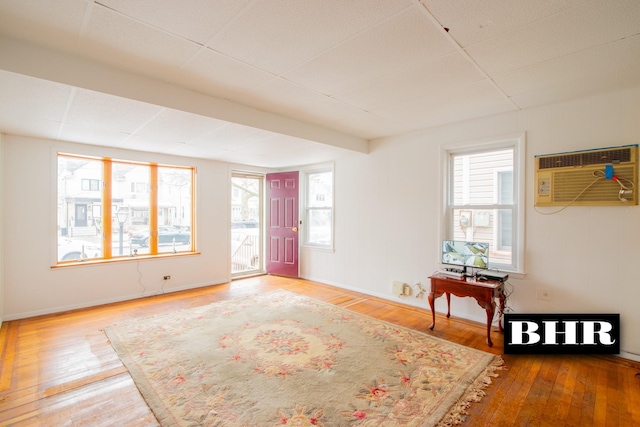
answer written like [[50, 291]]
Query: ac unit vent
[[587, 177], [586, 158], [568, 184]]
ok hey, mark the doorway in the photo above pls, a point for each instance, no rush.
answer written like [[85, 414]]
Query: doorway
[[282, 224], [246, 224], [81, 215]]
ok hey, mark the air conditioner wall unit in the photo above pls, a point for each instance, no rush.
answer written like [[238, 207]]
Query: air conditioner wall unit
[[596, 177]]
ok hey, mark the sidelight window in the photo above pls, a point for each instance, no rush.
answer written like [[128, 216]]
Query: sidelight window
[[318, 205]]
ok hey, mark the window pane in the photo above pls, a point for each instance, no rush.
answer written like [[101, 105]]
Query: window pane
[[174, 210], [130, 209], [79, 209], [319, 208], [493, 226], [246, 196], [504, 230], [505, 182], [484, 179], [319, 222], [476, 177], [320, 189], [134, 193]]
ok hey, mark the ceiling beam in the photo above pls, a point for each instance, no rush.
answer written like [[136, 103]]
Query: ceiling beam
[[35, 61]]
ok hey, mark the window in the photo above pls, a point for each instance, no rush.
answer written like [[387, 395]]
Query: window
[[247, 203], [318, 205], [143, 208], [90, 185], [485, 200], [139, 187]]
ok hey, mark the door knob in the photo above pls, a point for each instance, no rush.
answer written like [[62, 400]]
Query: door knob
[[294, 229]]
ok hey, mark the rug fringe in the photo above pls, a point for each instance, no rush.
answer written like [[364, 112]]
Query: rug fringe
[[474, 393]]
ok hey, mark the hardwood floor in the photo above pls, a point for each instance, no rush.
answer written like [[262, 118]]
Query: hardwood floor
[[60, 370]]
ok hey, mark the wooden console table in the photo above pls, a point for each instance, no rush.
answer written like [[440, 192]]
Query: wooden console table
[[483, 291]]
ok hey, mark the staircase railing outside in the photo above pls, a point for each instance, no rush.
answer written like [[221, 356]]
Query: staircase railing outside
[[245, 257]]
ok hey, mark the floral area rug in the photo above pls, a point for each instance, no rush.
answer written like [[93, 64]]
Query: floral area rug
[[280, 359]]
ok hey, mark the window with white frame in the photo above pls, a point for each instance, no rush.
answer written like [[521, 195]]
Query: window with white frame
[[318, 206], [485, 200]]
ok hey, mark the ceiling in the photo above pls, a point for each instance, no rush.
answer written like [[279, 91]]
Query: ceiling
[[276, 83]]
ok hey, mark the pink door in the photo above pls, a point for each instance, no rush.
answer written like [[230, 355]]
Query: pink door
[[282, 224]]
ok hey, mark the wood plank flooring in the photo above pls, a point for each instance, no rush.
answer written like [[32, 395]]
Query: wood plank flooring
[[60, 370]]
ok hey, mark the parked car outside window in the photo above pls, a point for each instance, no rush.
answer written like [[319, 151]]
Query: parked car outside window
[[166, 235], [73, 250], [245, 224]]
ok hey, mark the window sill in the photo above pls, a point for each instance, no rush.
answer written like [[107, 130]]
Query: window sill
[[121, 259], [327, 249], [517, 275]]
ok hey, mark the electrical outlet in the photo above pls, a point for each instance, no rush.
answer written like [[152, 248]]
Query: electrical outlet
[[543, 294], [399, 288], [166, 278]]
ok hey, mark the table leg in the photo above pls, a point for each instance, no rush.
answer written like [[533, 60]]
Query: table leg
[[490, 313], [433, 311], [448, 305], [501, 299]]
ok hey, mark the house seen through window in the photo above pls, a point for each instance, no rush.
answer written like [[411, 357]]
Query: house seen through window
[[114, 208], [318, 205], [483, 202]]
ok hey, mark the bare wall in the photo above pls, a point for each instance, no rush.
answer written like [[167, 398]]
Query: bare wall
[[1, 233]]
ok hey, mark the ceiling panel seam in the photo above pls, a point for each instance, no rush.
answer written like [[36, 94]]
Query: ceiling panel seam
[[425, 10], [341, 43], [67, 108]]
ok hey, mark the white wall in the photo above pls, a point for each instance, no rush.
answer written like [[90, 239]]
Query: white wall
[[388, 206], [32, 287], [1, 234]]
